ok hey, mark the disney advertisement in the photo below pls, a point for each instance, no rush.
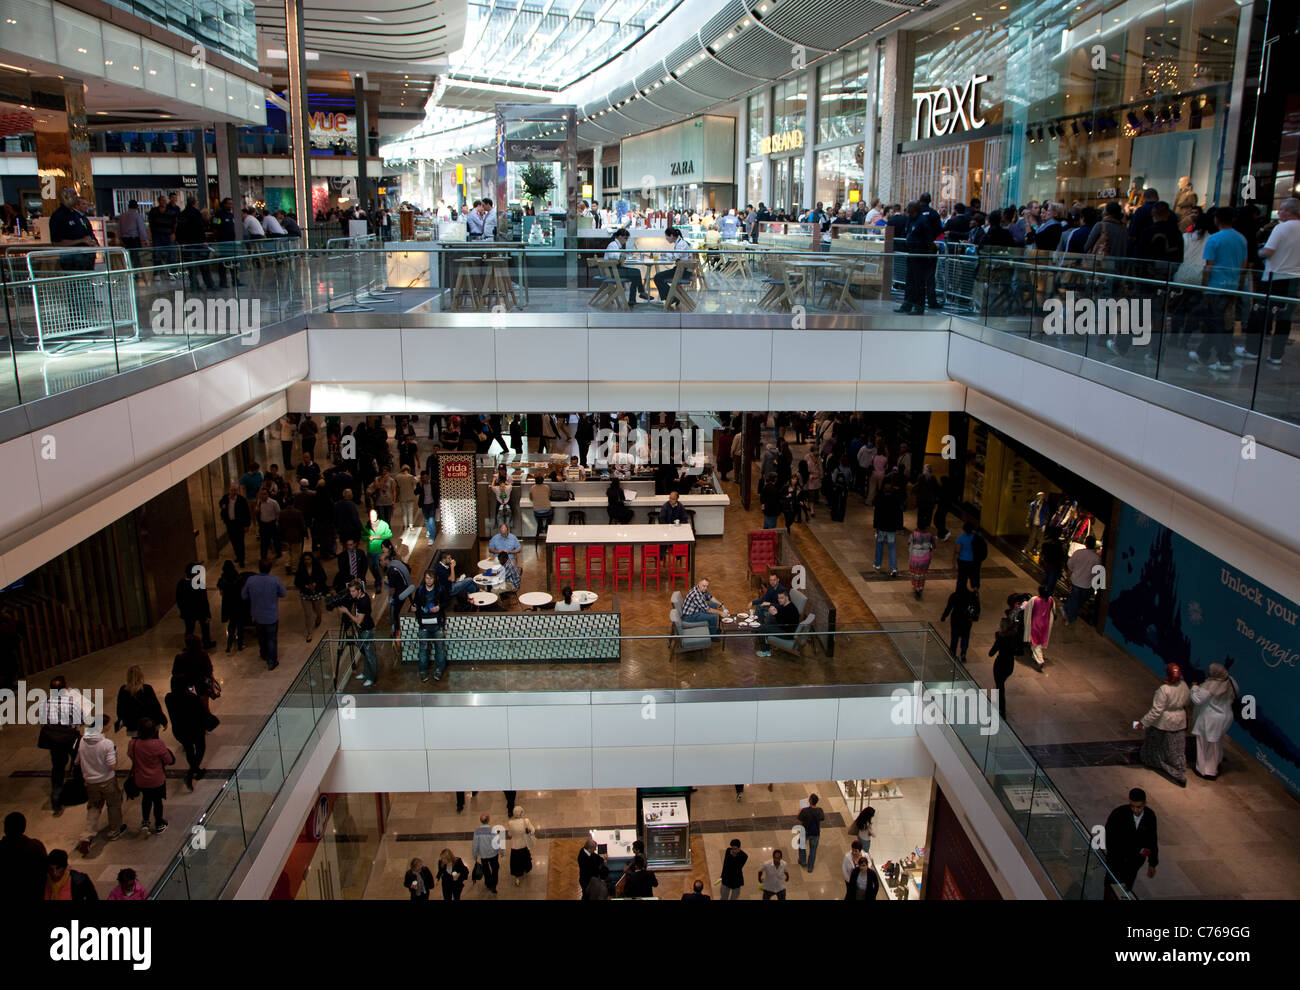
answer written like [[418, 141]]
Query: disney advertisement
[[1173, 602]]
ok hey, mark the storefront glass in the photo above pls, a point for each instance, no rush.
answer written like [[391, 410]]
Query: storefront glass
[[754, 183], [757, 108], [839, 171], [789, 106], [842, 97], [1071, 101]]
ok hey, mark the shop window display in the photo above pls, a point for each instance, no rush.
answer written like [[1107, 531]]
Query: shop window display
[[1072, 102]]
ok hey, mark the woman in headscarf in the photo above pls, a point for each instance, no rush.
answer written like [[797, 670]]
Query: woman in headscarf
[[1165, 745], [1039, 612], [1211, 718]]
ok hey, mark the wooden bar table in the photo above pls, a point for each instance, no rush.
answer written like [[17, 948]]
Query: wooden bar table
[[630, 534]]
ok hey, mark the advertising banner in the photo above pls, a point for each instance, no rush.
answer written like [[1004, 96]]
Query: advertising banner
[[1173, 602]]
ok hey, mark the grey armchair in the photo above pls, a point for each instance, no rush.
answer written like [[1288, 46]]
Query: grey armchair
[[793, 642], [689, 636]]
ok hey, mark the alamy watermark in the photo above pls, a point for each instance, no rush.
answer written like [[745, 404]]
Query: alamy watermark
[[182, 314], [946, 706], [28, 706], [1101, 316], [680, 445]]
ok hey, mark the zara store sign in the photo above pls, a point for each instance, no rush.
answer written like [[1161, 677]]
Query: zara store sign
[[948, 109]]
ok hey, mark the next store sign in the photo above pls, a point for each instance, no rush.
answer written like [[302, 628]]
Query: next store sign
[[948, 109]]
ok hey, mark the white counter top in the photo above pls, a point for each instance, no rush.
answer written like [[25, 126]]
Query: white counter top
[[631, 533]]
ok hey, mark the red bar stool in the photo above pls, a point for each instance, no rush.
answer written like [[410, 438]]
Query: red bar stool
[[623, 565], [650, 555], [565, 567], [679, 566], [596, 565]]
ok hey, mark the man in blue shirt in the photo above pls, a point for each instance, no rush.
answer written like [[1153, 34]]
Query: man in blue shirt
[[1225, 260], [774, 588], [506, 541], [262, 591], [251, 481], [966, 572]]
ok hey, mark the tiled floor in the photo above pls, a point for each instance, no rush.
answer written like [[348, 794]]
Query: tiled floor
[[423, 824]]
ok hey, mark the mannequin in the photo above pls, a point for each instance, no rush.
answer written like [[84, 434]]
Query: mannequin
[[1036, 519], [1062, 520]]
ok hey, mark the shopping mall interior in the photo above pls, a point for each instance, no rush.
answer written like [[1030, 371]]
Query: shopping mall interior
[[580, 451]]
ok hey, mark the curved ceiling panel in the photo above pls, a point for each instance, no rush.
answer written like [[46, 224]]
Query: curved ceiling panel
[[718, 80], [813, 24], [759, 53]]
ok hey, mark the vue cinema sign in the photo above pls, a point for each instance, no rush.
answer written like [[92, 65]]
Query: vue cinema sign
[[948, 109]]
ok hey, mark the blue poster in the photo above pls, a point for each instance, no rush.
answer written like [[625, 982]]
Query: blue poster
[[1173, 602]]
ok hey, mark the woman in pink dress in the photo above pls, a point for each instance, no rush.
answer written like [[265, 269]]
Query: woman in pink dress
[[1039, 611]]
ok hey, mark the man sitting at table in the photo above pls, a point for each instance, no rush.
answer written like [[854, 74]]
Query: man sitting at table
[[782, 617], [614, 251], [680, 250], [759, 605], [700, 606], [445, 571], [672, 511], [506, 541], [511, 578]]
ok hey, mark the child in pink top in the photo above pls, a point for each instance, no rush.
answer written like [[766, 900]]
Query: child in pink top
[[128, 888]]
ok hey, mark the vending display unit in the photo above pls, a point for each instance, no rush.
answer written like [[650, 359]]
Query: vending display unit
[[665, 829]]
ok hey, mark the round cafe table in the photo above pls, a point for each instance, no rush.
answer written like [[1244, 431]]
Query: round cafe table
[[535, 599], [482, 599], [585, 598], [489, 580], [487, 562]]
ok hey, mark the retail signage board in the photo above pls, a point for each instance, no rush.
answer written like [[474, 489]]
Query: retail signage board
[[948, 109], [774, 144]]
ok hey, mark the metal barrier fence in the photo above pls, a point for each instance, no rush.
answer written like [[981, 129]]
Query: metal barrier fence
[[63, 308]]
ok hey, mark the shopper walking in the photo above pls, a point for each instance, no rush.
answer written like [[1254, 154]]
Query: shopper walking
[[591, 866], [137, 700], [1211, 718], [887, 519], [862, 827], [1039, 612], [811, 818], [418, 880], [487, 853], [927, 496], [312, 583], [773, 876], [520, 834], [63, 717], [192, 603], [234, 512], [22, 862], [920, 551], [1165, 745], [1005, 645], [1132, 839], [190, 718], [97, 757], [733, 865], [452, 874], [263, 592], [149, 759], [233, 609], [1084, 566], [63, 884], [860, 880], [128, 887], [962, 611]]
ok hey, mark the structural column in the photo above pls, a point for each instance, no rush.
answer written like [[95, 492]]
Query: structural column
[[228, 171], [597, 176], [894, 115], [299, 138], [200, 166], [811, 112], [63, 145], [363, 141]]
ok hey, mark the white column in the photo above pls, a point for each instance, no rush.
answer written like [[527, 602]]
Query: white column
[[597, 186], [809, 140]]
